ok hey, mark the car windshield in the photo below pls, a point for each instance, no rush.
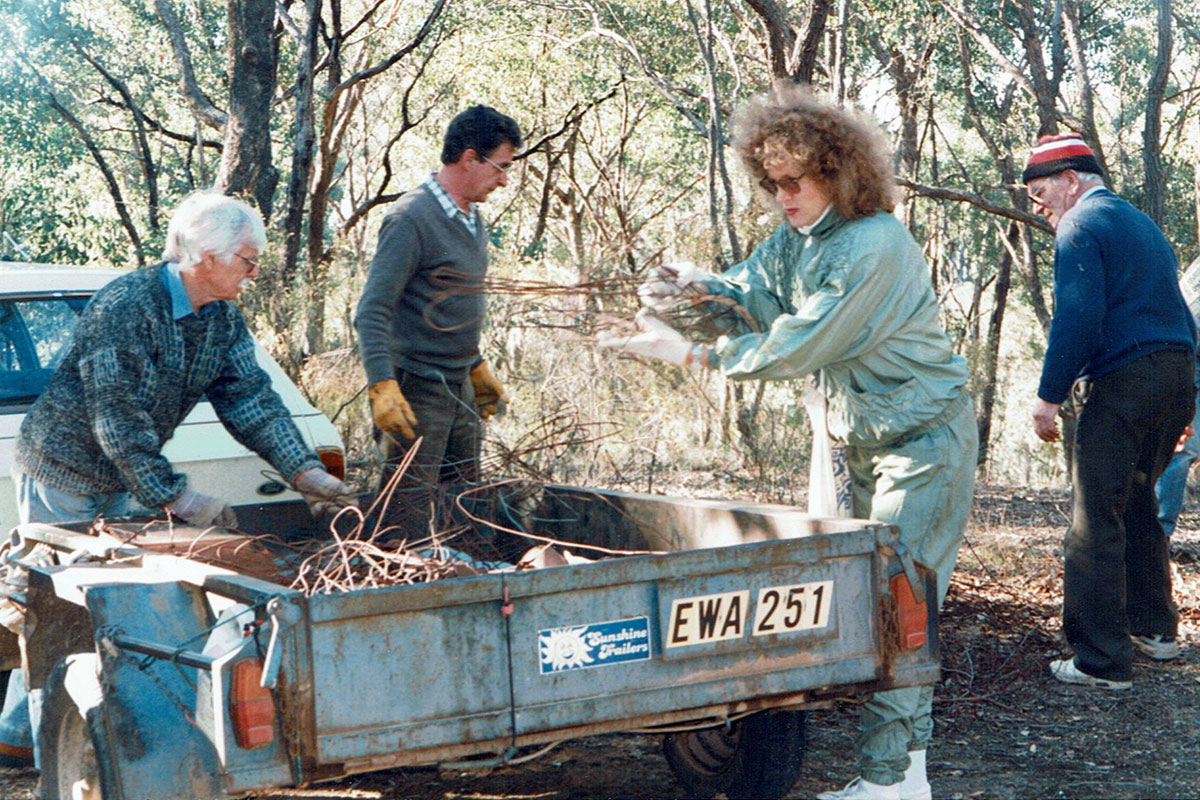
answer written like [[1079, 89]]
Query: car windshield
[[33, 334]]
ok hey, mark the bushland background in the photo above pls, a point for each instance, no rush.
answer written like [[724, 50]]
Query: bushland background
[[322, 112]]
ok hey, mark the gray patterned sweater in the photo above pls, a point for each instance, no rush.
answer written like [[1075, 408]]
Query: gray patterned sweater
[[129, 377]]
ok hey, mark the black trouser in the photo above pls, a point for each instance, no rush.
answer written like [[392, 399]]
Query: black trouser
[[1117, 577]]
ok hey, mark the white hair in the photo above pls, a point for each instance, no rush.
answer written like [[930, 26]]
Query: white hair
[[210, 222], [1089, 179]]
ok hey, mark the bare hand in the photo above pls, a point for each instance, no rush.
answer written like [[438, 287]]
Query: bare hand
[[1045, 420], [1188, 432]]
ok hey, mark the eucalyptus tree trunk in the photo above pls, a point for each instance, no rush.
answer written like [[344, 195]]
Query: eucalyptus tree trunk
[[837, 69], [1156, 184], [246, 167], [792, 55], [720, 213], [1085, 121], [302, 141], [991, 350]]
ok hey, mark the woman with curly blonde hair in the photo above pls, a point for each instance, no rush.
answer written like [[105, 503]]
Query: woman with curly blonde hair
[[841, 292]]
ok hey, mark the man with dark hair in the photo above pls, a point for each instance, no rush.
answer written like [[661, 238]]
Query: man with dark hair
[[1122, 344], [421, 312]]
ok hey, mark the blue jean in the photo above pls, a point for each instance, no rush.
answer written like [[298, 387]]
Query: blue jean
[[39, 503], [1171, 486], [15, 729]]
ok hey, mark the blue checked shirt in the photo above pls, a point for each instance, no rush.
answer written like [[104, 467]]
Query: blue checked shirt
[[451, 208]]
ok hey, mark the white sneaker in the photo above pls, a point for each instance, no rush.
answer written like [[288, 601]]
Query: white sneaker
[[1158, 647], [1065, 670], [859, 789], [915, 785]]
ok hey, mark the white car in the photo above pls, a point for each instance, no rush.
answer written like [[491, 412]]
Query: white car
[[39, 306]]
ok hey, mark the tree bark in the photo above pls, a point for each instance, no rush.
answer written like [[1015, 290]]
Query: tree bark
[[804, 59], [781, 37], [1086, 123], [246, 168], [303, 141], [990, 368], [1156, 184], [838, 68]]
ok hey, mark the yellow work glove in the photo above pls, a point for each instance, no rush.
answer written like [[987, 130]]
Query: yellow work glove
[[490, 397], [391, 411]]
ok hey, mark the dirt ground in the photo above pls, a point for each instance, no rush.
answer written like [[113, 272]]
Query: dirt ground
[[1005, 729]]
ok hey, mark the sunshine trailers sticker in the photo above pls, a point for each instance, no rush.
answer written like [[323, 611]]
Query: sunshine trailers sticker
[[599, 644]]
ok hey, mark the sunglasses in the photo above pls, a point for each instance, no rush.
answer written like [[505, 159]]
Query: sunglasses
[[789, 185]]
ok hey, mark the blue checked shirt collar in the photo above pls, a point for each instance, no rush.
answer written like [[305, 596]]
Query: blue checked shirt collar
[[450, 207], [181, 306]]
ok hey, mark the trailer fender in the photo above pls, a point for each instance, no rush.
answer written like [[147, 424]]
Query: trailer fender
[[76, 762]]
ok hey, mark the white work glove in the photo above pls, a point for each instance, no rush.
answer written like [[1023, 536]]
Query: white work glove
[[656, 340], [202, 511], [667, 285], [325, 494]]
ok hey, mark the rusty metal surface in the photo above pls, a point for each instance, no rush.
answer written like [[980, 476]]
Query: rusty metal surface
[[418, 673], [444, 651]]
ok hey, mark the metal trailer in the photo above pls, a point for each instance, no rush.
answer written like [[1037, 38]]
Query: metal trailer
[[163, 677]]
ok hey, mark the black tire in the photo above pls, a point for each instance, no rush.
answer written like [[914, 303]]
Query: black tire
[[67, 739], [758, 756]]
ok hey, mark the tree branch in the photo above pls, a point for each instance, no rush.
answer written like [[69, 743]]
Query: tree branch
[[416, 41], [201, 106], [941, 193], [144, 156], [114, 188]]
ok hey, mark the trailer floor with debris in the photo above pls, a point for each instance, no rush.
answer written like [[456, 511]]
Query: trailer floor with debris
[[1005, 728]]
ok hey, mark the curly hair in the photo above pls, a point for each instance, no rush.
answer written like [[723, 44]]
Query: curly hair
[[848, 153]]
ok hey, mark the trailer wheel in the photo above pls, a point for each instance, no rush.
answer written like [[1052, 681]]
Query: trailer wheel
[[69, 764], [756, 757]]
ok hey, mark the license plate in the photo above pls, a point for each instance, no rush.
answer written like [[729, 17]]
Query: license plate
[[729, 615], [799, 607]]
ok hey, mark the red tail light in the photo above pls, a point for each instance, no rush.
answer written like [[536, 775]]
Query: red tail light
[[334, 461], [251, 706], [913, 616]]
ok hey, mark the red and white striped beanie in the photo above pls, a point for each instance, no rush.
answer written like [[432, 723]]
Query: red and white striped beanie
[[1053, 154]]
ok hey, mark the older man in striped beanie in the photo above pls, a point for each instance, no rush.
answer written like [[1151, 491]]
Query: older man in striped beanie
[[1122, 345]]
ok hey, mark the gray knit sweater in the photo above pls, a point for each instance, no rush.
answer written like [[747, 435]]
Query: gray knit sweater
[[422, 309], [129, 377]]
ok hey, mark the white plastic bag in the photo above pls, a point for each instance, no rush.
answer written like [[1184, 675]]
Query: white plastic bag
[[828, 471]]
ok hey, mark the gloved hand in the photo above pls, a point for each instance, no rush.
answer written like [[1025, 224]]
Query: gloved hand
[[324, 493], [391, 411], [202, 511], [656, 340], [490, 397], [667, 285]]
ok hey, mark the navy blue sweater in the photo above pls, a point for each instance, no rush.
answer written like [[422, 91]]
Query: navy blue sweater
[[1116, 291]]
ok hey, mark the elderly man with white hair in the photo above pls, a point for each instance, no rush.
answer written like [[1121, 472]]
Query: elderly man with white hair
[[149, 347]]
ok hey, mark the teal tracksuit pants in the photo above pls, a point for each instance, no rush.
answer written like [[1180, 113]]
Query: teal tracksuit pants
[[924, 484]]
